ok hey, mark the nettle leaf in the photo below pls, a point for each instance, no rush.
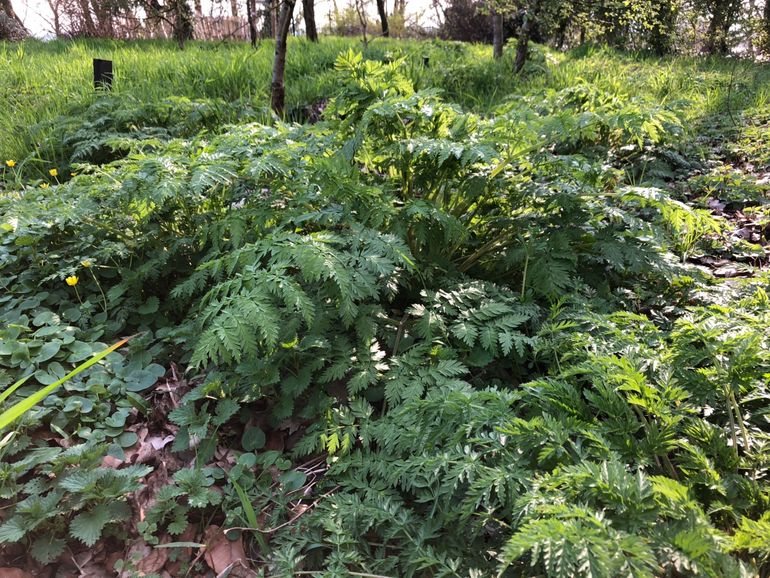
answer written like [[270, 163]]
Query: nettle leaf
[[12, 530], [226, 408], [46, 549], [79, 481], [87, 526]]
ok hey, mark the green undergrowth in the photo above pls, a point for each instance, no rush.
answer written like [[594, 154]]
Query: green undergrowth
[[483, 318]]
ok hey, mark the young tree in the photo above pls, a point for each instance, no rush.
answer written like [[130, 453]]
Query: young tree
[[363, 19], [529, 13], [382, 9], [766, 27], [277, 87], [182, 21], [497, 34], [722, 15], [251, 15], [308, 12]]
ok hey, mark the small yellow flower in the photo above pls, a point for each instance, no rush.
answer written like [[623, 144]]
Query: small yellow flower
[[53, 173], [10, 163], [43, 185], [72, 280], [86, 263]]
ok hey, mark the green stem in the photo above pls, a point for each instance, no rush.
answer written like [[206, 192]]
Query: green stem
[[104, 298], [739, 417], [524, 276]]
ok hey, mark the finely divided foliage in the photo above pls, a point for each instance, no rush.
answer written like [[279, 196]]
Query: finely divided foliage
[[462, 313]]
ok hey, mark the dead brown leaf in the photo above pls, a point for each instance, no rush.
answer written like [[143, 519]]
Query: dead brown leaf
[[14, 573], [145, 559], [222, 553]]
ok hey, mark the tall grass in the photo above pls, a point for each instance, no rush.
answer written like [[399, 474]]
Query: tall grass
[[43, 80]]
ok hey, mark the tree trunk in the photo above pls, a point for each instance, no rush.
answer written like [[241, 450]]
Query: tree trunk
[[362, 18], [251, 10], [522, 45], [11, 26], [723, 13], [54, 6], [383, 11], [497, 34], [766, 27], [103, 13], [661, 34], [274, 6], [88, 21], [234, 8], [267, 19], [183, 24], [277, 88], [7, 8], [308, 10]]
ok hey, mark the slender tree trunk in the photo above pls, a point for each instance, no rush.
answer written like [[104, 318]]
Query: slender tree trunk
[[362, 18], [267, 19], [497, 34], [383, 11], [275, 5], [522, 45], [308, 10], [251, 10], [766, 27], [88, 21], [198, 8], [54, 6], [277, 88], [234, 8], [752, 13]]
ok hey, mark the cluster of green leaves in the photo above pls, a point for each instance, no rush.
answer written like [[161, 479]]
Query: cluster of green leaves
[[441, 301], [65, 494], [629, 459]]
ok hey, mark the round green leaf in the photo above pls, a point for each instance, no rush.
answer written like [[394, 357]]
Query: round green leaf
[[253, 439], [48, 351], [127, 439]]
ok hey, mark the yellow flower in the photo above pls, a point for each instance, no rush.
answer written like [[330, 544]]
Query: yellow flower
[[53, 173], [72, 280], [86, 263], [11, 163], [43, 185]]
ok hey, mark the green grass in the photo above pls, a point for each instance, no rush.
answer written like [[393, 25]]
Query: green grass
[[44, 80]]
